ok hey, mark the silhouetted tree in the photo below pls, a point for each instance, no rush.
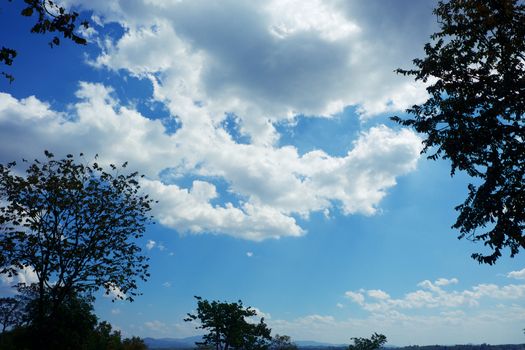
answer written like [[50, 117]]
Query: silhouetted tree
[[133, 343], [475, 114], [73, 326], [282, 342], [50, 18], [75, 226], [228, 327], [11, 313], [375, 342], [67, 326], [104, 337]]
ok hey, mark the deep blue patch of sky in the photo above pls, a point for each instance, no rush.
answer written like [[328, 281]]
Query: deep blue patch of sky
[[232, 126], [332, 135]]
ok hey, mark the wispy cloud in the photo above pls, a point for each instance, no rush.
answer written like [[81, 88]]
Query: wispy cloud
[[519, 275], [151, 244]]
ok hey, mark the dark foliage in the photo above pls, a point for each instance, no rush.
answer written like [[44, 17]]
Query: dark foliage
[[73, 326], [475, 115], [282, 342], [50, 18], [75, 225], [227, 326], [11, 313], [375, 342]]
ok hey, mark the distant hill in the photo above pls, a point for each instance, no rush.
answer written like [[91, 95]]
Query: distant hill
[[172, 343], [316, 344], [189, 343]]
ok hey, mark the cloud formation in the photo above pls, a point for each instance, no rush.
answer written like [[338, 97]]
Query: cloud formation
[[273, 184], [254, 64], [431, 295], [441, 313], [495, 325], [519, 275], [275, 60]]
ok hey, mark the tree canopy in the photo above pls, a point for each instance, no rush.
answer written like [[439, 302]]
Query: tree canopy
[[50, 18], [11, 313], [75, 226], [282, 342], [375, 342], [228, 327], [474, 116], [74, 326]]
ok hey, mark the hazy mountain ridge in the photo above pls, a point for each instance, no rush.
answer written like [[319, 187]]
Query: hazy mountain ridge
[[189, 343]]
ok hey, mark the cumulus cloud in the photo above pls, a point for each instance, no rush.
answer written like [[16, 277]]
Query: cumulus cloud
[[493, 325], [261, 314], [432, 296], [277, 59], [483, 313], [356, 297], [274, 184], [378, 294], [445, 281], [249, 254], [519, 275]]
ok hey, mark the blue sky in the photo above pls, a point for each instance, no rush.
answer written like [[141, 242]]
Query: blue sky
[[263, 130]]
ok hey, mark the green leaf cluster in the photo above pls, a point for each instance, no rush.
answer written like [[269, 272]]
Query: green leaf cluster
[[75, 226], [228, 326], [50, 18], [375, 342], [73, 326], [474, 117]]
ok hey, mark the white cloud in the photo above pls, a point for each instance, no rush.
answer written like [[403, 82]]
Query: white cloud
[[290, 17], [498, 325], [432, 296], [166, 284], [115, 293], [378, 294], [275, 182], [26, 275], [511, 291], [277, 59], [151, 244], [483, 313], [444, 281], [356, 297], [261, 314], [249, 254], [519, 275], [256, 74]]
